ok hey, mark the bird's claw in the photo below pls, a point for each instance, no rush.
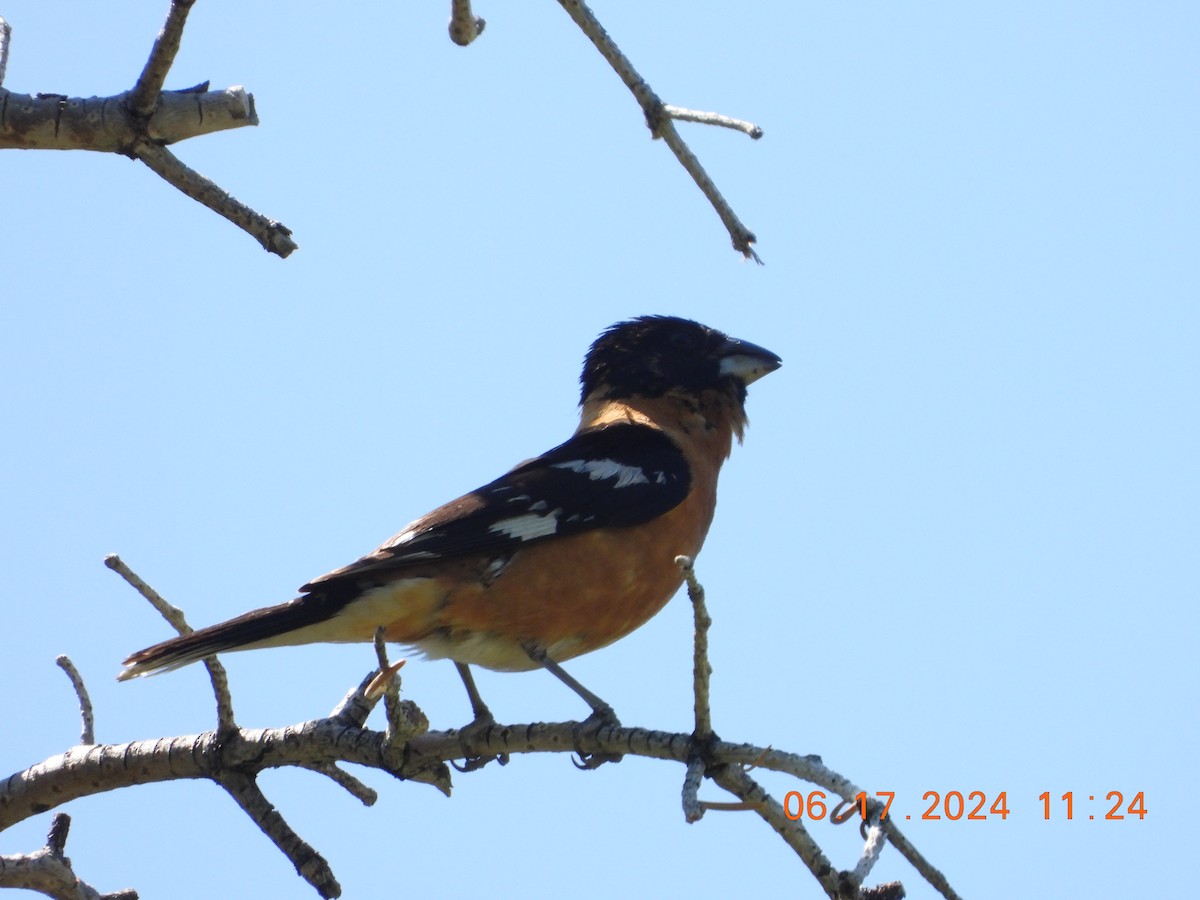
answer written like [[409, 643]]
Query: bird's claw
[[475, 763], [477, 728], [589, 727]]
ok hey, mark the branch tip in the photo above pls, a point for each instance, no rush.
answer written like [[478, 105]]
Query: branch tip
[[56, 839], [367, 795], [693, 809], [355, 707], [465, 26], [711, 118], [659, 117], [87, 734], [272, 235], [310, 864], [174, 615]]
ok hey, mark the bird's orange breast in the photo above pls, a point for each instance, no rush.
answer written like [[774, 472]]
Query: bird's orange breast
[[566, 596]]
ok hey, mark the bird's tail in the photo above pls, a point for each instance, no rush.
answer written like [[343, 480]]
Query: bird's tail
[[271, 626]]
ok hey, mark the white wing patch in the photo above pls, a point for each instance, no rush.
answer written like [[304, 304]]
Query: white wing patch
[[528, 526], [595, 469], [396, 540]]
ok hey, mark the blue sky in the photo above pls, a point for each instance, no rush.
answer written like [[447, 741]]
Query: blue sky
[[956, 552]]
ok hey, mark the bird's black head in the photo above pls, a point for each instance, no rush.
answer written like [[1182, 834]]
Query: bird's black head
[[652, 355]]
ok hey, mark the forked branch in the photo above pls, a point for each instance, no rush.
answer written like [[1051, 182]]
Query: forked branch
[[660, 117], [49, 872], [139, 123]]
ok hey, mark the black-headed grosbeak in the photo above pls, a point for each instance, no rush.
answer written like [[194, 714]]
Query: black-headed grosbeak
[[562, 555]]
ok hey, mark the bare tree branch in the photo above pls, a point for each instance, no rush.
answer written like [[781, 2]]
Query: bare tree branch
[[709, 118], [145, 94], [701, 667], [139, 123], [693, 809], [83, 771], [274, 236], [216, 672], [872, 848], [88, 728], [103, 124], [659, 118], [926, 869], [310, 865], [49, 872], [362, 792], [735, 780], [407, 750]]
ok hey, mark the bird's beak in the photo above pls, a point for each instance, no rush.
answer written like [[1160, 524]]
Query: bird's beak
[[746, 361]]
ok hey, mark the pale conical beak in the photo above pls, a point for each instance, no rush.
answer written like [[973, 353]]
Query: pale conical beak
[[746, 361]]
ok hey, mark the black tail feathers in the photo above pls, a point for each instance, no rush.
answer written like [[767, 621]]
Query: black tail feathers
[[236, 634]]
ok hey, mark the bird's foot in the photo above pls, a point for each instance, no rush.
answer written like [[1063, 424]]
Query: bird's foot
[[604, 717], [475, 731]]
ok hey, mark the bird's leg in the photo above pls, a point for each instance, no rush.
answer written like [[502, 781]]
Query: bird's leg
[[602, 713], [479, 709], [483, 720]]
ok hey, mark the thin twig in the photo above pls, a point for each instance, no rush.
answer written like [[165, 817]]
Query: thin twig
[[405, 719], [735, 780], [701, 668], [389, 681], [693, 809], [149, 85], [226, 724], [590, 25], [87, 733], [342, 778], [49, 872], [711, 118], [928, 871], [310, 865], [465, 26], [356, 706], [741, 236], [872, 848], [173, 614], [56, 839], [274, 236], [659, 120], [5, 37]]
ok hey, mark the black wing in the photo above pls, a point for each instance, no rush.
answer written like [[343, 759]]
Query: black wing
[[608, 477]]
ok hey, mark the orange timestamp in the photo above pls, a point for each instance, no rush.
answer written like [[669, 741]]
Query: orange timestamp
[[974, 806]]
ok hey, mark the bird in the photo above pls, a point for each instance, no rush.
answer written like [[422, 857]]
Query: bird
[[560, 556]]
